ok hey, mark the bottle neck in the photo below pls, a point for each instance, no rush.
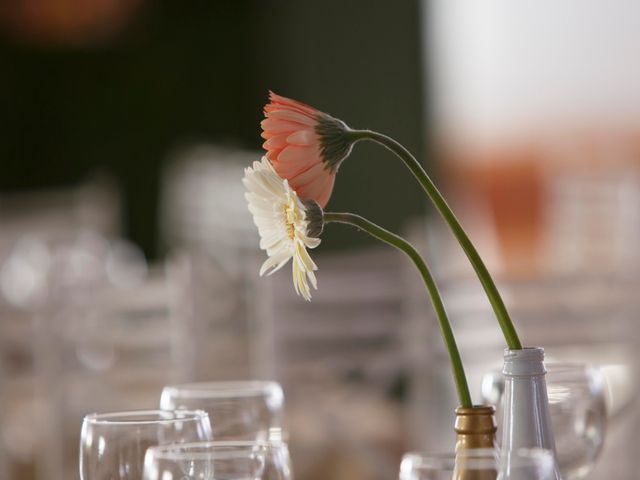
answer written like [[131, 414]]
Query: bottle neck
[[527, 362], [475, 427]]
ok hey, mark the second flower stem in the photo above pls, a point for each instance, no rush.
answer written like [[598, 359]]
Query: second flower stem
[[445, 326], [508, 330]]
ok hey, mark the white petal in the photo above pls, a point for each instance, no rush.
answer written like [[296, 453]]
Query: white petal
[[300, 282], [312, 279], [281, 220], [275, 263], [303, 257]]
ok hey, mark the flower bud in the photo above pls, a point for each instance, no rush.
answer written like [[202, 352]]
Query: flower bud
[[315, 218], [335, 141]]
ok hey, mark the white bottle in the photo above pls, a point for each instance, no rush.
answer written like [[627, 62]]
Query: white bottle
[[526, 422]]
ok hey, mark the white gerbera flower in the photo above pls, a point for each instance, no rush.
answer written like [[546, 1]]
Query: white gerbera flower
[[282, 223]]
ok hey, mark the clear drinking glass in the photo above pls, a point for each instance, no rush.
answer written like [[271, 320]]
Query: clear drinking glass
[[577, 409], [579, 416], [479, 464], [112, 445], [233, 460], [243, 410], [527, 464]]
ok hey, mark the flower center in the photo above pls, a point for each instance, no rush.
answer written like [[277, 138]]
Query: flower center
[[290, 219]]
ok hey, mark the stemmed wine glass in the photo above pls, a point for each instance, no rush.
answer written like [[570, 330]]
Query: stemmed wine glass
[[577, 409], [113, 445], [240, 410], [232, 460]]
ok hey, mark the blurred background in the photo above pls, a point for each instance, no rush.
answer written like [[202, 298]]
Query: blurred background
[[128, 259]]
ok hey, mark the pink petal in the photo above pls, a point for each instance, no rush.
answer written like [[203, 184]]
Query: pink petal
[[325, 194], [273, 125], [293, 161], [277, 99], [292, 116], [290, 171], [319, 189], [303, 137], [297, 154], [276, 141], [309, 176], [272, 156]]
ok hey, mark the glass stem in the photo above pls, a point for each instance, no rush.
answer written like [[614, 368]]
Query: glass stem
[[445, 326], [508, 330]]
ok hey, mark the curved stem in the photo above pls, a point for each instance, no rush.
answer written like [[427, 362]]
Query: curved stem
[[440, 203], [445, 327]]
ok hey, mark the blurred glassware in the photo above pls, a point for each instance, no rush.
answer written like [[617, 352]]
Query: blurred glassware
[[202, 204], [478, 464], [99, 328], [528, 464], [211, 240], [340, 353], [117, 350], [592, 216], [218, 334], [542, 152], [112, 445], [578, 414], [104, 341], [53, 247], [241, 410], [58, 214], [233, 460], [4, 464]]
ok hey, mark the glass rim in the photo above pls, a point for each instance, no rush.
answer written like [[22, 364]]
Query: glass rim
[[525, 456], [212, 449], [558, 366], [478, 458], [244, 388], [137, 417], [481, 458], [569, 366]]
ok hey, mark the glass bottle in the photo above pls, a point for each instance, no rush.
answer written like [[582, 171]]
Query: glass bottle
[[526, 420]]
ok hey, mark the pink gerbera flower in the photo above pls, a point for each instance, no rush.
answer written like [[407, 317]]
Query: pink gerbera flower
[[305, 146]]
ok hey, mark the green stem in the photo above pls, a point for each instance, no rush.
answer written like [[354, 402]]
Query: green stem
[[445, 327], [440, 203]]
